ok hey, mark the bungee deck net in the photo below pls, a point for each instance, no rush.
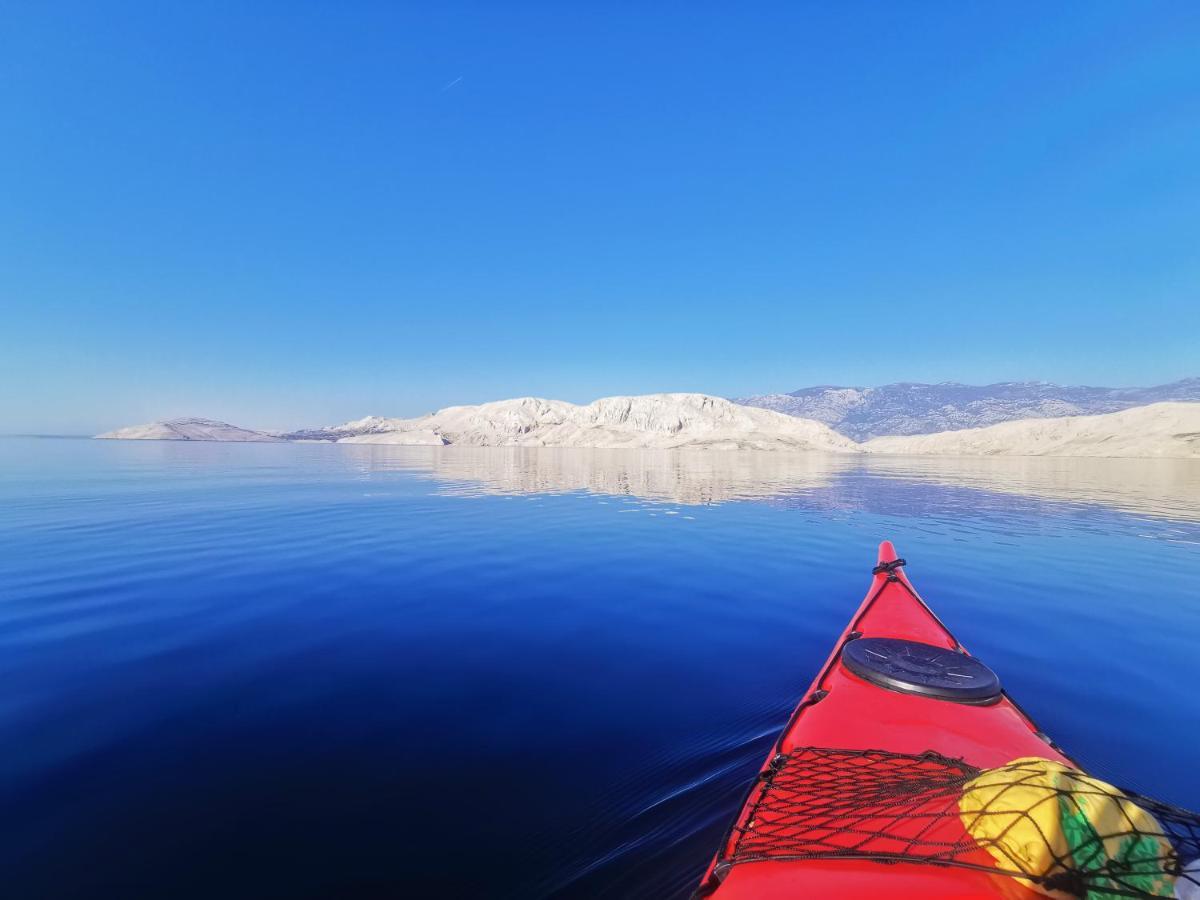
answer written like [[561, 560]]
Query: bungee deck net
[[1063, 832]]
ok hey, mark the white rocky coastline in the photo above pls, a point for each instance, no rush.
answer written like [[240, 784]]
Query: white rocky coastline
[[698, 421], [652, 421], [1167, 430]]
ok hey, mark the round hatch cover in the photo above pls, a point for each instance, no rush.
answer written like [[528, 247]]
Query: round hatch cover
[[916, 668]]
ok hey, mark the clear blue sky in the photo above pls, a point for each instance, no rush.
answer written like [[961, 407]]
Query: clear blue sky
[[297, 213]]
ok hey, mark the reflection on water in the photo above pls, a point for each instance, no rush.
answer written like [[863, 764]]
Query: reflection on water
[[1167, 488], [1159, 488], [684, 477]]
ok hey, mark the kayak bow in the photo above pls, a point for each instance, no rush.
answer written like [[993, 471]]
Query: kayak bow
[[898, 695]]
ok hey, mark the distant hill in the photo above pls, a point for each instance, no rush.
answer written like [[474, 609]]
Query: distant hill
[[189, 429], [666, 421], [912, 408]]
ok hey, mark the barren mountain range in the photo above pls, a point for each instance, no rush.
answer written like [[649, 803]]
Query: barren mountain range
[[915, 408], [698, 421]]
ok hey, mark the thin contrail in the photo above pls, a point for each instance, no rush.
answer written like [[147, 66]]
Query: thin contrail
[[447, 87]]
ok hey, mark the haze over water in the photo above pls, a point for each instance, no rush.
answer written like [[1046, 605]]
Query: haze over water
[[321, 670]]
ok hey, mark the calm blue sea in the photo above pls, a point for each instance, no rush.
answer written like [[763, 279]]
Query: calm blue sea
[[339, 671]]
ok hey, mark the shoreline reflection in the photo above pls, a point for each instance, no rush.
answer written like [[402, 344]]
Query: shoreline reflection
[[1158, 488]]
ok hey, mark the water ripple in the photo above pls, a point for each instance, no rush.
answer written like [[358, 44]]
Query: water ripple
[[315, 670]]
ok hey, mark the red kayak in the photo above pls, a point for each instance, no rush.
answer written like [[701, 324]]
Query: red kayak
[[861, 797]]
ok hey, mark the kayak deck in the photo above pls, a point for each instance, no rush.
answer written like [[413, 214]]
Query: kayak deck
[[813, 851]]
